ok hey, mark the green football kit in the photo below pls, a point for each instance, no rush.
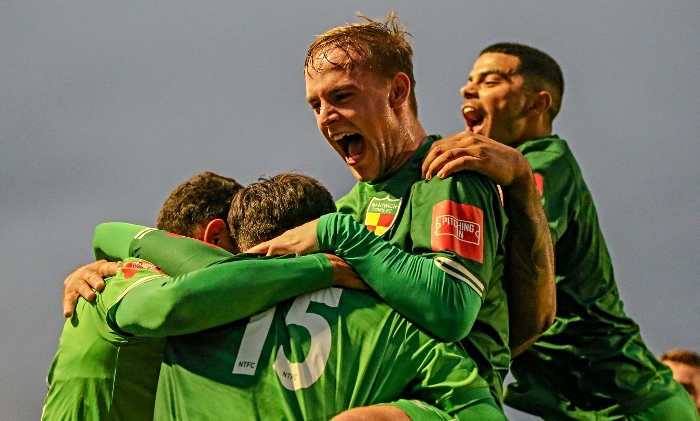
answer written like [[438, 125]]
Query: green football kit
[[107, 363], [307, 358], [592, 363], [99, 373], [458, 222]]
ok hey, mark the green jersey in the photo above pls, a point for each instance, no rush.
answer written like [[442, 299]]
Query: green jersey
[[311, 357], [111, 350], [593, 357], [100, 373], [175, 305], [460, 224]]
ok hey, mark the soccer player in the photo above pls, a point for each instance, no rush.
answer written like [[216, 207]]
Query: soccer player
[[105, 368], [307, 358], [99, 372], [685, 365], [360, 85], [592, 363]]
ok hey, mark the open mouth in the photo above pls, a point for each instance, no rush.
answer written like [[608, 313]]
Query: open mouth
[[473, 118], [352, 144]]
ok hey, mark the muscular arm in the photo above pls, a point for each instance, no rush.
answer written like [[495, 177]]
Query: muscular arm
[[529, 270], [529, 273]]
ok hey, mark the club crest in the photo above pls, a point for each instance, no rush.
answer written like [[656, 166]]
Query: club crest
[[381, 214]]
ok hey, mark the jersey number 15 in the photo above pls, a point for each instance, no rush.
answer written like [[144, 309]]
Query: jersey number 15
[[293, 376]]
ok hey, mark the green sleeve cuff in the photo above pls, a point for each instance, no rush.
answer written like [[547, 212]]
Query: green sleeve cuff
[[112, 240]]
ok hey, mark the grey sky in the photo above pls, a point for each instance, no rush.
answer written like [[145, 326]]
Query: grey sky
[[105, 107]]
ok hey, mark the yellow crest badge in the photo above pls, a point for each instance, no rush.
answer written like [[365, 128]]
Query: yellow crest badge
[[381, 214]]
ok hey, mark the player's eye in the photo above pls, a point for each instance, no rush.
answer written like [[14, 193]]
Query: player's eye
[[342, 96]]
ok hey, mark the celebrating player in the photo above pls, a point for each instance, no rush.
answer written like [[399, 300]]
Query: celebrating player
[[110, 352], [359, 83], [307, 358], [100, 372], [592, 363]]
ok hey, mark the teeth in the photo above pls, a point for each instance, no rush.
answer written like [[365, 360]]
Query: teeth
[[337, 137], [468, 109]]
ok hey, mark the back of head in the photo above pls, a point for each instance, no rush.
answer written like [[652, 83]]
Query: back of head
[[380, 47], [196, 202], [267, 208], [683, 356], [539, 69]]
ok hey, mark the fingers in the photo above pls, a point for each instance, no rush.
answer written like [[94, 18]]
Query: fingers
[[277, 250], [108, 269], [68, 305], [455, 165], [80, 283], [451, 161], [261, 248], [70, 298], [450, 148]]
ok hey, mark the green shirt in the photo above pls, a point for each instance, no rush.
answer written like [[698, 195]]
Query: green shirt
[[194, 300], [311, 358], [460, 224], [593, 357], [100, 373], [323, 352], [110, 351]]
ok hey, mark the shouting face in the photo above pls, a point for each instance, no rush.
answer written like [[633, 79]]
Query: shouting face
[[354, 114], [496, 99]]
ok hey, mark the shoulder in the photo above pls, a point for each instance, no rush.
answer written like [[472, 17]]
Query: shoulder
[[347, 203], [468, 184], [550, 154]]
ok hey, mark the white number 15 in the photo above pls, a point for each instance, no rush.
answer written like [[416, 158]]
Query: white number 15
[[293, 376]]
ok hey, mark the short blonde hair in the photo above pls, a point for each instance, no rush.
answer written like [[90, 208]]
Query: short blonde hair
[[381, 47]]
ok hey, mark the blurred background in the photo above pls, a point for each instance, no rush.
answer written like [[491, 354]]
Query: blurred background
[[106, 106]]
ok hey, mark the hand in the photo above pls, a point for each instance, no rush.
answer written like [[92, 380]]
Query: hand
[[344, 275], [470, 151], [300, 241], [81, 282]]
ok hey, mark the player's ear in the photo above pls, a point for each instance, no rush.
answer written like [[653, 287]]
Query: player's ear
[[215, 231], [541, 101], [400, 90]]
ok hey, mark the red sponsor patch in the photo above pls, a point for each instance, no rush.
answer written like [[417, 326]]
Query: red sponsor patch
[[539, 182], [131, 268], [170, 234], [458, 228]]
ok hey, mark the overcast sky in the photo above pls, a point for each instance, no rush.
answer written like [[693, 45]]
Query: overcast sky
[[106, 107]]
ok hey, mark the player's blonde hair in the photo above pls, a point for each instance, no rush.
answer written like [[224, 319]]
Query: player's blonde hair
[[381, 47]]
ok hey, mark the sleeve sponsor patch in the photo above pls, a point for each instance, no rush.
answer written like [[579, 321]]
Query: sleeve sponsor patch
[[131, 268], [539, 182], [458, 228]]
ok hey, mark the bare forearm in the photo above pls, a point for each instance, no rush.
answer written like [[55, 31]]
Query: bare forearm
[[530, 271]]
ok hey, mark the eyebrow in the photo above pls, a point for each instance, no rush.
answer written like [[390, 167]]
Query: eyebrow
[[504, 75], [332, 91]]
